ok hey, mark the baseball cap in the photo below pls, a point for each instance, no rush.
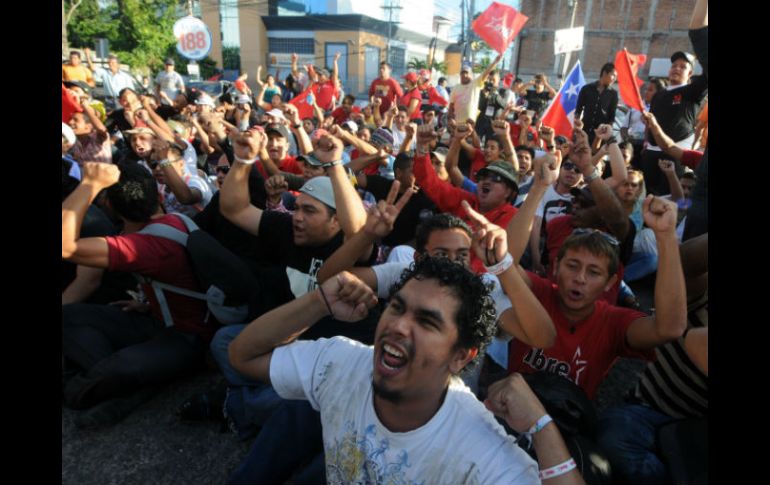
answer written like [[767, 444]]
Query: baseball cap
[[277, 113], [352, 125], [142, 130], [683, 55], [381, 136], [440, 154], [67, 133], [85, 87], [204, 100], [320, 188], [411, 77], [466, 67], [276, 128], [310, 159], [503, 169], [169, 61], [584, 194]]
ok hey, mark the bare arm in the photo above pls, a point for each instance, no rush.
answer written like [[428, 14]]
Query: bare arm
[[700, 15], [513, 400], [619, 171], [485, 74], [251, 350], [91, 251], [86, 282], [661, 138], [234, 202], [670, 318], [452, 158], [667, 167], [294, 70], [303, 140], [183, 193]]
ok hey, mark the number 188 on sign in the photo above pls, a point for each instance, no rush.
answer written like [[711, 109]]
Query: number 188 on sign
[[193, 38]]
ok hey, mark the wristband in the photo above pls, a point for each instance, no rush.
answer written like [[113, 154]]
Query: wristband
[[550, 147], [164, 163], [594, 175], [558, 470], [331, 164], [539, 424], [247, 162], [611, 140], [501, 267], [297, 126]]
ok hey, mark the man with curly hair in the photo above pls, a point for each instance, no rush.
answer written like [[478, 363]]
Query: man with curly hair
[[388, 411]]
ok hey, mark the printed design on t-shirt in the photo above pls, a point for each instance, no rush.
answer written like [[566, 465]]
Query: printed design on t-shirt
[[364, 460], [302, 283], [677, 99], [537, 360], [555, 208], [382, 90]]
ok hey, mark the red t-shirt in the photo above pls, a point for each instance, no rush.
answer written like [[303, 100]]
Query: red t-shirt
[[516, 131], [340, 115], [557, 231], [324, 92], [389, 91], [477, 164], [407, 98], [166, 261], [288, 164], [583, 351]]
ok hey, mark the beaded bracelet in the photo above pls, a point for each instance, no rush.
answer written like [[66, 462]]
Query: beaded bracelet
[[323, 295]]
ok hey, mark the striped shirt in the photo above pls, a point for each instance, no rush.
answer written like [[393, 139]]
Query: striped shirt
[[673, 384]]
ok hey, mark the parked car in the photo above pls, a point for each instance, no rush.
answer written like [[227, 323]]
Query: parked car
[[215, 89]]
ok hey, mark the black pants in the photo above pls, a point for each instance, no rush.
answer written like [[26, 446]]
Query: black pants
[[654, 179], [120, 352]]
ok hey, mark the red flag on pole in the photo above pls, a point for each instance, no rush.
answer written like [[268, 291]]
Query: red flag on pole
[[69, 104], [304, 107], [627, 66], [499, 25]]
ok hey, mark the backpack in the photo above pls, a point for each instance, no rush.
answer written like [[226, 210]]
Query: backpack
[[227, 281]]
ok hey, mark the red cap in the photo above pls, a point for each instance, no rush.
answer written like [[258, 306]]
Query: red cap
[[356, 109], [424, 73], [411, 77]]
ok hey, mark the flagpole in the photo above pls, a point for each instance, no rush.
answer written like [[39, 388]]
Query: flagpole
[[633, 79]]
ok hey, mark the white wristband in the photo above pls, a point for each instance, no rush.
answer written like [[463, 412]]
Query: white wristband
[[247, 162], [558, 470], [539, 424], [502, 266]]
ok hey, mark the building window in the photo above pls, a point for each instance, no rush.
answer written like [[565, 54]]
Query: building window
[[287, 46], [397, 55]]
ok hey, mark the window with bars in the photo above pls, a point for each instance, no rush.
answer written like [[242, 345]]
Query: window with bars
[[397, 60], [287, 46]]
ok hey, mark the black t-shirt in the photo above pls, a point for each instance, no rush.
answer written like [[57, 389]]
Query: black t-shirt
[[676, 110], [419, 208], [295, 267], [117, 121], [537, 101], [165, 111]]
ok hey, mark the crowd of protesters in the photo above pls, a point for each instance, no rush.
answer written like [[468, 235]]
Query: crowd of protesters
[[425, 281]]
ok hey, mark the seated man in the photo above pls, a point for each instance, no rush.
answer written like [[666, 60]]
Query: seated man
[[591, 333], [387, 411], [120, 351]]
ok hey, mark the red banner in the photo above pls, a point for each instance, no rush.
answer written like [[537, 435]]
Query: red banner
[[69, 104], [627, 66], [499, 25]]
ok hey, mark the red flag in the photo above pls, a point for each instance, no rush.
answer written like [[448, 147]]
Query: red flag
[[627, 66], [508, 80], [499, 25], [304, 107], [69, 104]]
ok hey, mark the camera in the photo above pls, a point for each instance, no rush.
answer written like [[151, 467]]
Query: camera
[[489, 85]]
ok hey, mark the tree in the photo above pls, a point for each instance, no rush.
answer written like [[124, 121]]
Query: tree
[[417, 64]]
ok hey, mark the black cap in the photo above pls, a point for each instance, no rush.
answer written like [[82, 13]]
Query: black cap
[[683, 55], [82, 85], [276, 128], [169, 61]]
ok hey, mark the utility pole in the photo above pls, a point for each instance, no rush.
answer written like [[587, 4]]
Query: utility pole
[[390, 9], [189, 8], [471, 35], [568, 55]]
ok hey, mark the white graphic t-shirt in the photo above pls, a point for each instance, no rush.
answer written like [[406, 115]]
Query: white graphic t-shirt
[[461, 444]]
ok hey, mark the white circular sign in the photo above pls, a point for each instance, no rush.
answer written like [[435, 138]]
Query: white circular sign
[[193, 38]]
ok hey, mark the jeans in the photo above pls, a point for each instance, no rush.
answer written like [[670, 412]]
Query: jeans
[[121, 352], [291, 437], [628, 435], [249, 402], [640, 265]]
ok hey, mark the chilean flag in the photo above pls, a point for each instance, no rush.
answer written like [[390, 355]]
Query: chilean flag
[[561, 112]]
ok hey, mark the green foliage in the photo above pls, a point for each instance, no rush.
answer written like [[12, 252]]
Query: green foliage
[[140, 32], [417, 64], [231, 57]]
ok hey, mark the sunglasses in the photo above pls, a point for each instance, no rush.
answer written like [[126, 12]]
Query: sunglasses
[[570, 166], [222, 168], [607, 237]]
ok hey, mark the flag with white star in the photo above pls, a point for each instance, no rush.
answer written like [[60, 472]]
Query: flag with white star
[[561, 112], [499, 25]]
